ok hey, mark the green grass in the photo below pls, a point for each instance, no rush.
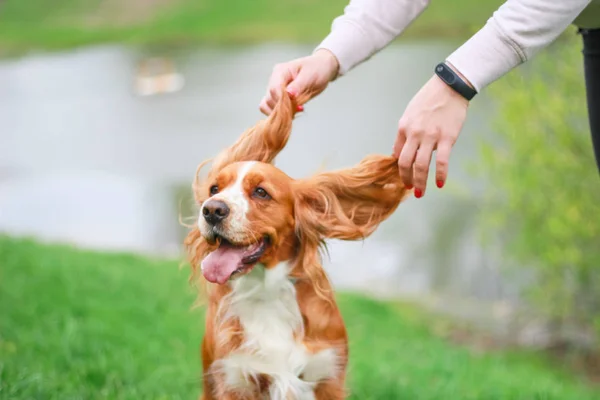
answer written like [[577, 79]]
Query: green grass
[[82, 325], [33, 24]]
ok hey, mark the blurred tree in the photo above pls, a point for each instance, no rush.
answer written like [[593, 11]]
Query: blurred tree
[[544, 188]]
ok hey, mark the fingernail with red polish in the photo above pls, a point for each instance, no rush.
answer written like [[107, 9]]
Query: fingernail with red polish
[[440, 183], [409, 187], [418, 193], [300, 108]]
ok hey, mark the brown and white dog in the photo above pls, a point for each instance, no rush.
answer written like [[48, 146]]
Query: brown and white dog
[[273, 329]]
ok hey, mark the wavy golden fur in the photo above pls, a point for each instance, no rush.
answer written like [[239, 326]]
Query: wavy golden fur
[[261, 143], [346, 204]]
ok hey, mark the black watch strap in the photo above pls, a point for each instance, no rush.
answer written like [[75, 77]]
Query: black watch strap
[[452, 79]]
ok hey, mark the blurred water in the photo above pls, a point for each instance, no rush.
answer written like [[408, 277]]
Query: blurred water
[[84, 160]]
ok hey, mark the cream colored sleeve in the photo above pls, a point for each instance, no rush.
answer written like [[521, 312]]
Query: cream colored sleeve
[[514, 34], [367, 26]]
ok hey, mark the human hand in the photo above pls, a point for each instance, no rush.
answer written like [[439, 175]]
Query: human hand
[[432, 121], [308, 76]]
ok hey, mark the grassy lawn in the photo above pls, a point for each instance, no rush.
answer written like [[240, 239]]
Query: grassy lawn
[[32, 24], [82, 325]]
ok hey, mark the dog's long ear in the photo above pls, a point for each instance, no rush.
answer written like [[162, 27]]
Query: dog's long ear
[[348, 204], [266, 139], [262, 142]]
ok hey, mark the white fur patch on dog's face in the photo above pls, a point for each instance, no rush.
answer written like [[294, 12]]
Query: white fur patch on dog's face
[[237, 201]]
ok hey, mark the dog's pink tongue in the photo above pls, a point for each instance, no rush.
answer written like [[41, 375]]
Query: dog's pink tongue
[[218, 266]]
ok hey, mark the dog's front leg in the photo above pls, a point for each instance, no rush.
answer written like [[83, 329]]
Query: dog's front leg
[[332, 389], [207, 351]]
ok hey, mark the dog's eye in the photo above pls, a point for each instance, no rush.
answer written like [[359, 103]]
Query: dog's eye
[[214, 189], [261, 193]]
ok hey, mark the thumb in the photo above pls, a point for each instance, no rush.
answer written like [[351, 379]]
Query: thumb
[[300, 87]]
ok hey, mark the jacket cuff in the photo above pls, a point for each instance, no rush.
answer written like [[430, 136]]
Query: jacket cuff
[[487, 56], [349, 44]]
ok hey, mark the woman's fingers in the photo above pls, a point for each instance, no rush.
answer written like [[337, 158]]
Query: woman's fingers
[[421, 167], [406, 160], [442, 159], [266, 106]]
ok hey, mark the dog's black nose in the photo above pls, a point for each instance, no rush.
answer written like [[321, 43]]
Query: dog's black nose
[[215, 211]]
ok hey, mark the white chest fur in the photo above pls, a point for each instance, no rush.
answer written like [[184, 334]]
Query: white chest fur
[[265, 303]]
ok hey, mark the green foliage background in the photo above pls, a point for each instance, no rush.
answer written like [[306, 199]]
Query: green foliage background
[[544, 186], [27, 25]]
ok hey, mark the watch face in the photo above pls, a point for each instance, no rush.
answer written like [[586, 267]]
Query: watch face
[[446, 75], [454, 81]]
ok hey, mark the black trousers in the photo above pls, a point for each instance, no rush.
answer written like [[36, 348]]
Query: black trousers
[[591, 63]]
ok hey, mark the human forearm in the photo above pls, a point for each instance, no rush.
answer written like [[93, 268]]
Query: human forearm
[[367, 26], [514, 34]]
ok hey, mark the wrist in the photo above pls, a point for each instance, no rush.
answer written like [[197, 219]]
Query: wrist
[[446, 92], [330, 61], [457, 72], [455, 81]]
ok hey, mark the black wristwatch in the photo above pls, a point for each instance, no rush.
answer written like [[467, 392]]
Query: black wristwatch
[[452, 79]]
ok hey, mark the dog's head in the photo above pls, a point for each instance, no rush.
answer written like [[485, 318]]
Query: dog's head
[[248, 213], [251, 212]]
